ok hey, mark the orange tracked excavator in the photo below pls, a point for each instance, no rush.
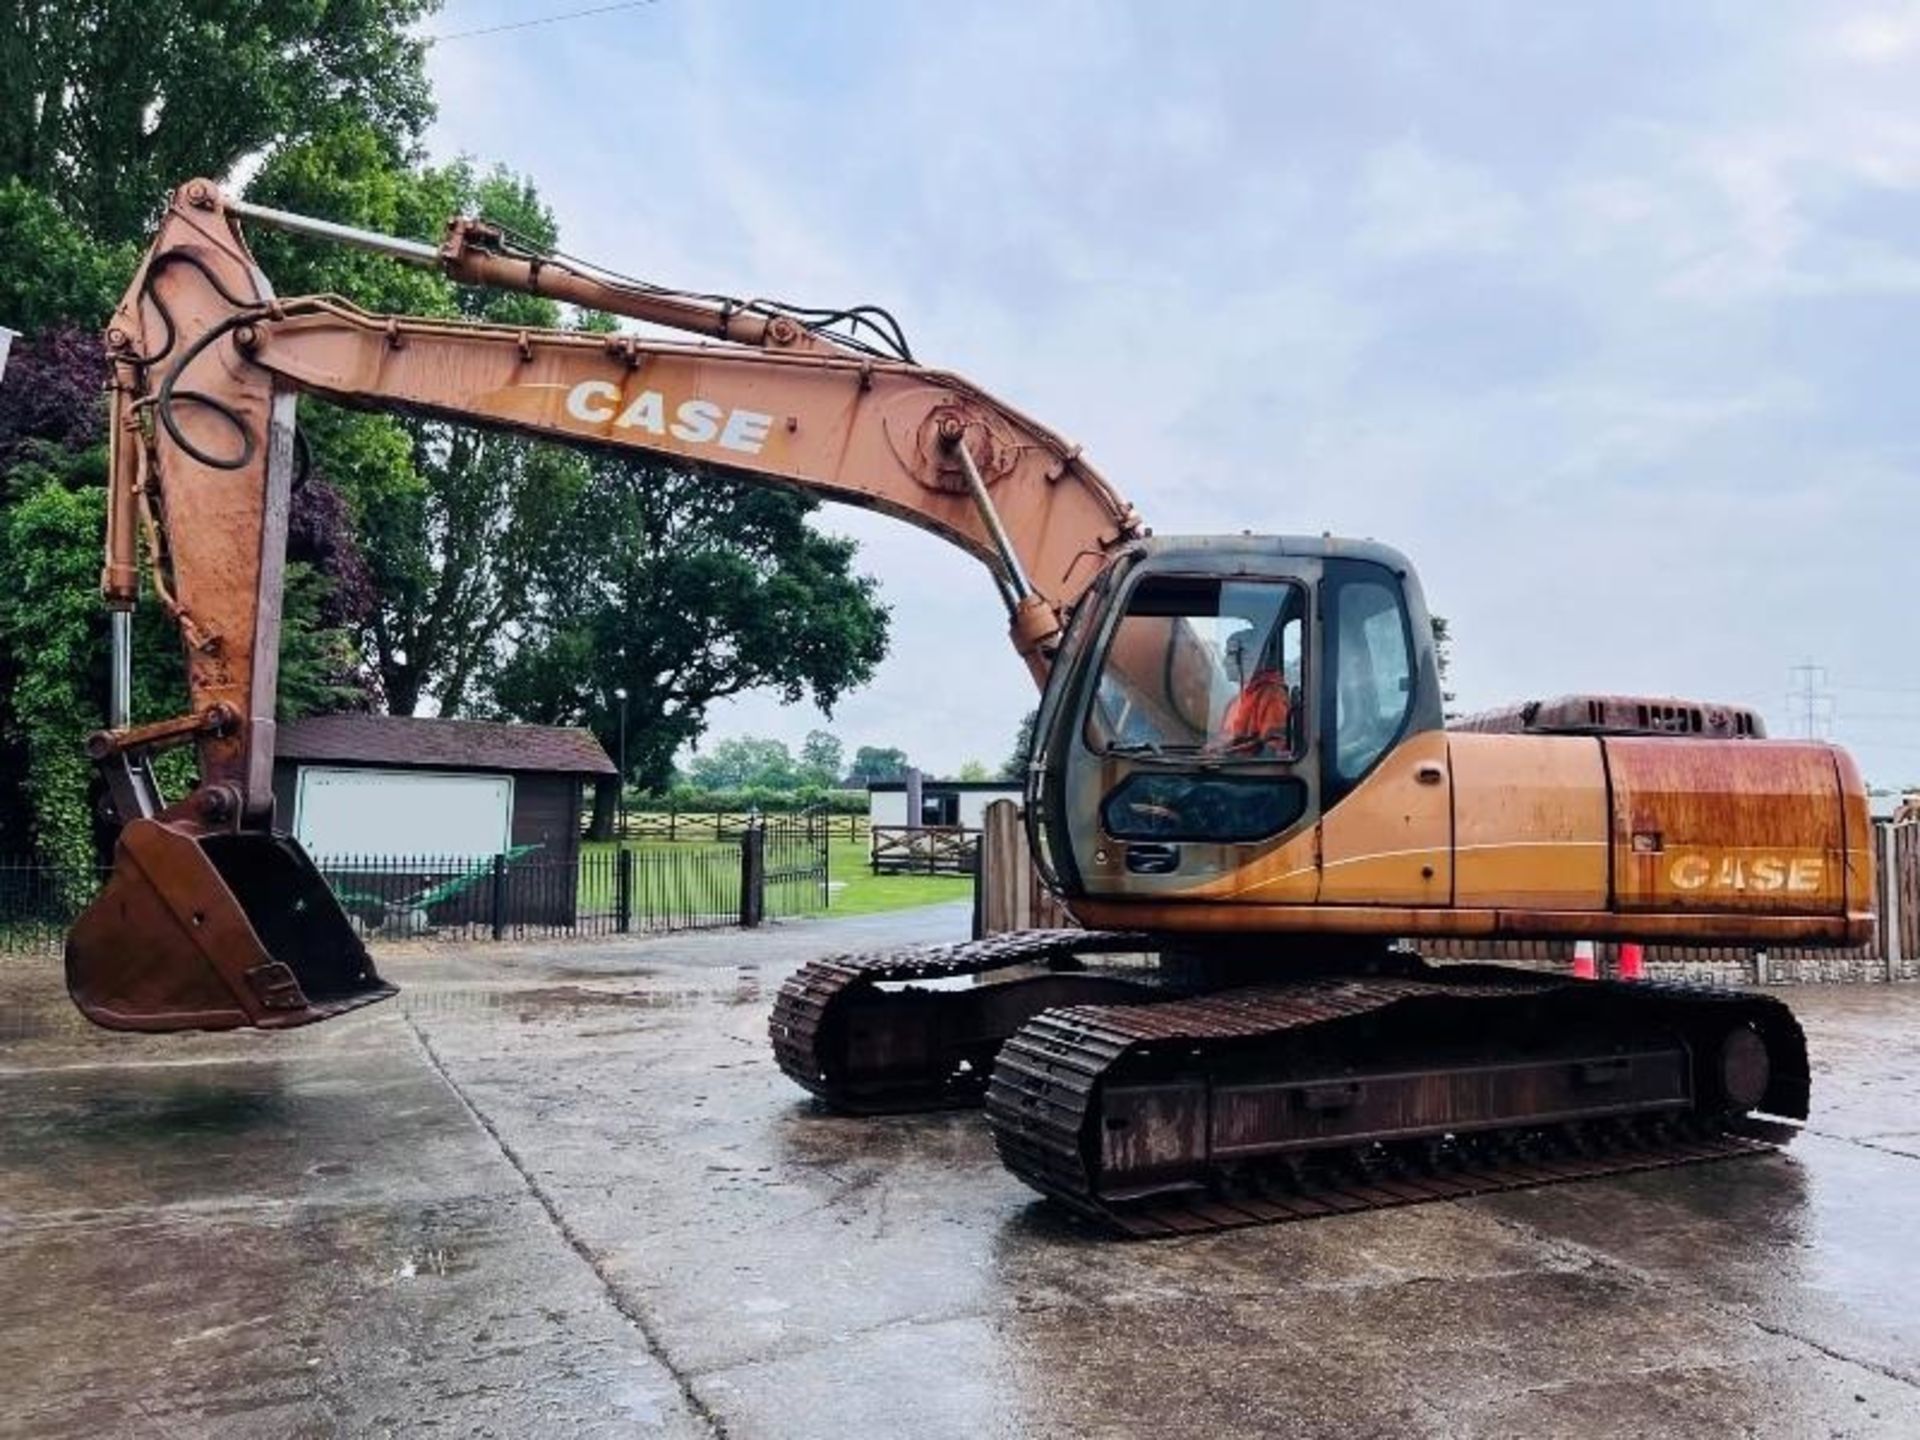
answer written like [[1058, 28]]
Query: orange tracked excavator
[[1241, 781]]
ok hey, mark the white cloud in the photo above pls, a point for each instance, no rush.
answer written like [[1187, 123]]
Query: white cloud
[[1415, 205], [1880, 37], [1606, 317]]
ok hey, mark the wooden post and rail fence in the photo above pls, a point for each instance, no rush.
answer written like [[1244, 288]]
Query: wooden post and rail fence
[[725, 826], [924, 850]]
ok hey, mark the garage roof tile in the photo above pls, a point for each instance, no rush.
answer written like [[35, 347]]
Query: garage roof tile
[[421, 743]]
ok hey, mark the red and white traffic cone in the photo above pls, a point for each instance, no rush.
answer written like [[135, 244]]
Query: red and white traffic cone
[[1583, 968], [1632, 961]]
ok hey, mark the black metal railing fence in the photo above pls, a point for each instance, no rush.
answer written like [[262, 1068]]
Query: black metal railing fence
[[796, 874], [774, 869], [39, 902], [529, 895]]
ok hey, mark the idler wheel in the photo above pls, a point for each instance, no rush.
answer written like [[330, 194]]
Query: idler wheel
[[1745, 1069]]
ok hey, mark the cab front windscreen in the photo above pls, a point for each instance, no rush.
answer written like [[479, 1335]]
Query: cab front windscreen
[[1200, 665]]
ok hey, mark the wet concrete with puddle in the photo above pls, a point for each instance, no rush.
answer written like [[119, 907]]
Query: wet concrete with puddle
[[563, 1189]]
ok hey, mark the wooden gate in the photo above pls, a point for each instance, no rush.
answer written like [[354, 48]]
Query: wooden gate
[[1007, 893], [923, 850]]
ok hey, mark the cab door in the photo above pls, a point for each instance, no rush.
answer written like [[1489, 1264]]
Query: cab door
[[1386, 828], [1175, 760]]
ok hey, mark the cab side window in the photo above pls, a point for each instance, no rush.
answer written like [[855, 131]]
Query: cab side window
[[1372, 677]]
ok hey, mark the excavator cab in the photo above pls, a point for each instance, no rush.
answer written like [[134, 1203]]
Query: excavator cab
[[1213, 699]]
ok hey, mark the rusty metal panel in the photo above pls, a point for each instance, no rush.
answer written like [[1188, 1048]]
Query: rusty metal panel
[[1862, 887], [1727, 826], [1152, 1134], [1617, 715], [1905, 884], [1530, 822], [1273, 1117]]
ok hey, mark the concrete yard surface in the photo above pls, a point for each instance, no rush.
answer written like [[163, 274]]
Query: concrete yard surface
[[564, 1190]]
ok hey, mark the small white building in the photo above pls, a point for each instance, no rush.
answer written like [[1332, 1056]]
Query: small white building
[[942, 802]]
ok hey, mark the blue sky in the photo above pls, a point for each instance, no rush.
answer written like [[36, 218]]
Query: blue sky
[[1609, 317]]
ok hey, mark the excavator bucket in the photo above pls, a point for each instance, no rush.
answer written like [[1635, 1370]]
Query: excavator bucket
[[213, 931]]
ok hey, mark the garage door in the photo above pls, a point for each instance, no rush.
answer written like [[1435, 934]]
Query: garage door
[[402, 812]]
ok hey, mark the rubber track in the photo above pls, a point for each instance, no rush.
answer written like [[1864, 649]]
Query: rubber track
[[1048, 1076], [806, 1006]]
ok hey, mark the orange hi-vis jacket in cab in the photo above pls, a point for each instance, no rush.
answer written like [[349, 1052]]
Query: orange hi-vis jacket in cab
[[1255, 720]]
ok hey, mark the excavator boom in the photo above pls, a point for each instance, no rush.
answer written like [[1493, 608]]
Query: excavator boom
[[207, 367]]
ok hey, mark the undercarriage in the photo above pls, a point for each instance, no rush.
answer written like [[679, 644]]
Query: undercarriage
[[1168, 1098]]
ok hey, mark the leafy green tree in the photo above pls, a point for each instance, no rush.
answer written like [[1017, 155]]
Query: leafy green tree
[[1016, 764], [55, 644], [974, 770], [461, 524], [821, 758], [685, 589], [53, 649], [500, 575], [104, 106], [495, 558], [871, 764], [55, 272], [1443, 659], [107, 104], [50, 629], [746, 762]]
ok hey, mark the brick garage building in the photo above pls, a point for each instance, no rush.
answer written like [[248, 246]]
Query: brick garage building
[[447, 794]]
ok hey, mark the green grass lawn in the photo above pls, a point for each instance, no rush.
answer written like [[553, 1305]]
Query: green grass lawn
[[700, 878], [670, 880], [862, 892]]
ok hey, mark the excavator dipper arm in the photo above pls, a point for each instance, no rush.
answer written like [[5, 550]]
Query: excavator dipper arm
[[210, 918]]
